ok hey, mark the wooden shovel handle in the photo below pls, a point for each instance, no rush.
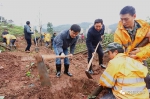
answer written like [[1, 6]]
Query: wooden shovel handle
[[92, 57], [47, 57]]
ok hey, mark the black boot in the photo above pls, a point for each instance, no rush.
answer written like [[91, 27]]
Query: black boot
[[66, 66], [103, 66], [58, 69]]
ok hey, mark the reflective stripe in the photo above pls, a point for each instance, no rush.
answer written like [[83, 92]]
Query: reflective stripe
[[109, 76], [130, 88], [107, 84], [133, 88], [129, 80]]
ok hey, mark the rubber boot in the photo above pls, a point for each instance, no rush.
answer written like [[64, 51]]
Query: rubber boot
[[66, 67], [58, 69]]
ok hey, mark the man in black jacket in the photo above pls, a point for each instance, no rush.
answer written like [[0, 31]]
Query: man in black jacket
[[94, 36], [27, 34]]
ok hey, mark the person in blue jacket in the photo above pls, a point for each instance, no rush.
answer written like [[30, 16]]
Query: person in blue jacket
[[94, 36], [27, 34], [65, 39]]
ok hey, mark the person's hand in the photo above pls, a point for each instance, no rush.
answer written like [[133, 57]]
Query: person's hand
[[93, 53], [62, 55], [136, 50], [70, 56]]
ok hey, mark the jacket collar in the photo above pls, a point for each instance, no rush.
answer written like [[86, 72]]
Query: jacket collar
[[141, 23]]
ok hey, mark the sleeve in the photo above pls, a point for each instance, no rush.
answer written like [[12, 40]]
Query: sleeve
[[59, 43], [8, 40], [89, 42], [103, 30], [72, 47], [108, 77], [28, 30], [117, 39], [144, 51]]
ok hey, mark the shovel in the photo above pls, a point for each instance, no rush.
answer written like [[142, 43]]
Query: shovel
[[36, 48], [43, 74], [86, 72]]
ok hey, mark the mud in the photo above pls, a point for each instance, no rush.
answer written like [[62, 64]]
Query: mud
[[19, 76]]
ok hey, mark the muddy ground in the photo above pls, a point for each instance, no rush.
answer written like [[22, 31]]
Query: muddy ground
[[19, 76]]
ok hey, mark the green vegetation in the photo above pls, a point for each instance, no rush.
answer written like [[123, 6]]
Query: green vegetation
[[80, 47], [28, 74], [12, 29], [50, 28]]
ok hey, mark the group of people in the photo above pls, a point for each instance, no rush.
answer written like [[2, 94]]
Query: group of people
[[126, 74]]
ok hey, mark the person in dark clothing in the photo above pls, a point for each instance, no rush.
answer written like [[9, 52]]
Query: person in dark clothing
[[94, 36], [4, 33], [52, 38], [62, 41], [27, 33], [36, 40]]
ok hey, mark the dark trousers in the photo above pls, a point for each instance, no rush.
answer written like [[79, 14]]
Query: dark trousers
[[100, 54], [109, 95], [4, 40], [28, 44], [13, 41]]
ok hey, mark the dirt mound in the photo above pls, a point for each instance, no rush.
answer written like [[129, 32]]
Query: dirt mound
[[71, 89], [19, 76]]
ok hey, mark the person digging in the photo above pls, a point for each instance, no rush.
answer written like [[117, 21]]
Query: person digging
[[62, 41], [10, 40]]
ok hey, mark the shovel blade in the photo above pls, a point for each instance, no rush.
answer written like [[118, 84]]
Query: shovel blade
[[88, 75], [44, 77]]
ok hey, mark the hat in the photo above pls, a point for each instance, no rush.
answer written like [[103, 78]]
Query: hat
[[112, 46]]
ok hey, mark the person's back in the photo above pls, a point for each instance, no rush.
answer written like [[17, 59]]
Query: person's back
[[9, 36], [129, 75], [47, 37], [124, 75], [26, 32]]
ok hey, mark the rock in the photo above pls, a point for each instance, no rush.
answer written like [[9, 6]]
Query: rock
[[16, 63], [1, 67], [25, 82], [6, 81]]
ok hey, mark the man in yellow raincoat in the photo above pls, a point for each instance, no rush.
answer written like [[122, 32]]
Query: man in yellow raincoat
[[130, 33], [124, 75], [10, 39]]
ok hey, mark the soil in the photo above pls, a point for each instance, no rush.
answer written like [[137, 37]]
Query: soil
[[19, 76]]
